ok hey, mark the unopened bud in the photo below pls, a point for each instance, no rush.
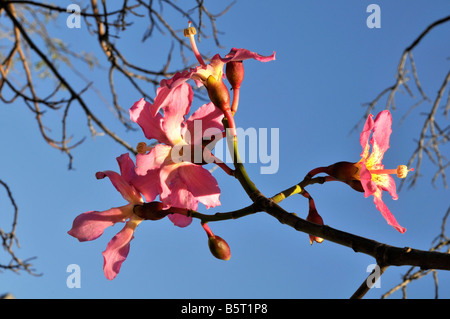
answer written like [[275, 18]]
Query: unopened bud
[[218, 93], [219, 247], [314, 217], [235, 73]]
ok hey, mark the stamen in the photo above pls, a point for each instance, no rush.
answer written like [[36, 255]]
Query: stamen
[[142, 148], [190, 32], [401, 171]]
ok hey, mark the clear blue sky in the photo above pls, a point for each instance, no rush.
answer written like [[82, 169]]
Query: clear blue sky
[[328, 63]]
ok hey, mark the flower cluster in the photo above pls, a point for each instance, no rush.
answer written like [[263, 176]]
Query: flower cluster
[[172, 169], [168, 177]]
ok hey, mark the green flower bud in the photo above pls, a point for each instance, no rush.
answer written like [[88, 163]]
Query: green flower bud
[[219, 247], [235, 73]]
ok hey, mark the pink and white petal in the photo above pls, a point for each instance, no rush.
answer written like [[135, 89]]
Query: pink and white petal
[[382, 130], [176, 80], [381, 206], [176, 107], [182, 198], [244, 54], [380, 138], [90, 225], [128, 192], [165, 93], [200, 183], [364, 137], [117, 250], [386, 183], [206, 122], [153, 160], [151, 124], [365, 178], [174, 191], [148, 185], [214, 68]]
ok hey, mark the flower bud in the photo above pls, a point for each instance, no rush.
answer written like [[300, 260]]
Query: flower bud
[[235, 73], [219, 247], [218, 93], [314, 217]]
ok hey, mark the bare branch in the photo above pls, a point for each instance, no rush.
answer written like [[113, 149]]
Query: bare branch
[[443, 245]]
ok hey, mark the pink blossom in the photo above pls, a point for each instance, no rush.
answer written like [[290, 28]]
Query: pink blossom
[[90, 225], [181, 182], [368, 175], [205, 74]]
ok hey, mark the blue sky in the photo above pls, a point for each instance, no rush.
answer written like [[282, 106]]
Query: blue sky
[[328, 63]]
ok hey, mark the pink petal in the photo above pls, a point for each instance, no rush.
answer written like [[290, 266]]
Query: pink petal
[[365, 177], [153, 160], [117, 250], [148, 185], [148, 166], [165, 95], [391, 188], [386, 183], [90, 225], [380, 138], [200, 183], [381, 206], [244, 54], [176, 105], [180, 220], [205, 122], [382, 130], [174, 191], [126, 166], [178, 78], [151, 124], [216, 64], [364, 138], [125, 189]]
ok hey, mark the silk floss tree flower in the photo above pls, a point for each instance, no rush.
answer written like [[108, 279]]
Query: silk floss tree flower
[[211, 76], [369, 175], [179, 176], [91, 225]]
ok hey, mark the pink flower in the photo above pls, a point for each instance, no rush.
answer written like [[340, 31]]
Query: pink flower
[[90, 225], [210, 75], [172, 166], [368, 175]]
